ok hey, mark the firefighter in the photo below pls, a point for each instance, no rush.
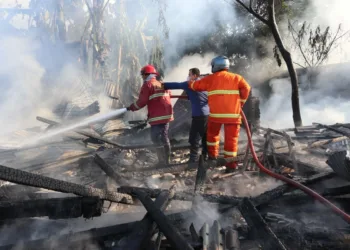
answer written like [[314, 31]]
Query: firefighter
[[200, 112], [227, 93], [160, 110]]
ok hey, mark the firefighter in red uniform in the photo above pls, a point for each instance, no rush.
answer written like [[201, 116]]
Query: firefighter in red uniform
[[160, 110], [227, 93]]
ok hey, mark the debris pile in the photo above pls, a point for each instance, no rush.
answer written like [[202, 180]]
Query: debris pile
[[46, 190]]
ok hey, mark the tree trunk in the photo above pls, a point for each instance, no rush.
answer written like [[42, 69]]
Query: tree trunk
[[288, 60]]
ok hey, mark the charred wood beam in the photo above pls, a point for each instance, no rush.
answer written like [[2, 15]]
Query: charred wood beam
[[35, 180], [303, 167], [337, 191], [279, 191], [164, 224], [325, 142], [340, 164], [215, 239], [300, 236], [108, 169], [339, 131], [57, 208], [204, 233], [232, 240], [260, 230], [144, 229], [184, 196]]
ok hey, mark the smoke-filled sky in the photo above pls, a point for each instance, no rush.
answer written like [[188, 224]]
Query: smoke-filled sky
[[22, 98]]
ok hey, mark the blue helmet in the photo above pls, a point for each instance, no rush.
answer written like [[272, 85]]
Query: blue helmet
[[219, 63]]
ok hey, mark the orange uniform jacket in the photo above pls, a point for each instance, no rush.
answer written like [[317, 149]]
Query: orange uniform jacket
[[226, 94]]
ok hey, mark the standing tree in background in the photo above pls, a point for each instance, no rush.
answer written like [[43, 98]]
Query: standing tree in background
[[265, 12], [315, 46]]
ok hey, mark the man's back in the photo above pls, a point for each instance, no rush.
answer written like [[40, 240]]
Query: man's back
[[226, 92]]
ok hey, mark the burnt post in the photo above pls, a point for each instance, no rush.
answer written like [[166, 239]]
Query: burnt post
[[165, 226], [261, 231], [144, 229]]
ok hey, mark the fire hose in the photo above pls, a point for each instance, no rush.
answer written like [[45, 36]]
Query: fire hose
[[293, 183]]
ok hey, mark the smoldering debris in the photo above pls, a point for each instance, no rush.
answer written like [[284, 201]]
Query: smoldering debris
[[239, 210]]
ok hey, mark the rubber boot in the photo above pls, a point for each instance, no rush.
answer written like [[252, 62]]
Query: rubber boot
[[161, 156], [167, 154], [211, 161], [194, 155], [231, 167]]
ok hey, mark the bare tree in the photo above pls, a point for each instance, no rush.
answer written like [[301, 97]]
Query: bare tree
[[265, 12], [315, 45]]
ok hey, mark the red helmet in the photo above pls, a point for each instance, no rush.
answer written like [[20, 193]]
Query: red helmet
[[149, 69]]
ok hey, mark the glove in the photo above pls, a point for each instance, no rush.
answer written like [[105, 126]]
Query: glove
[[128, 108]]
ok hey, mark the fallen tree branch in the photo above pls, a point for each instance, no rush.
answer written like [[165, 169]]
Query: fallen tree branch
[[35, 180]]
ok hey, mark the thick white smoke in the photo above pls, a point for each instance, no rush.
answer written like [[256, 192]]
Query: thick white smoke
[[328, 102], [21, 84]]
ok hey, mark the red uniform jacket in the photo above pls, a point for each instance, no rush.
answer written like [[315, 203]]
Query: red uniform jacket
[[158, 101]]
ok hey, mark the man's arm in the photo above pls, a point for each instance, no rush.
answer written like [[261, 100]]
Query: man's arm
[[175, 85], [244, 90], [143, 99], [200, 85]]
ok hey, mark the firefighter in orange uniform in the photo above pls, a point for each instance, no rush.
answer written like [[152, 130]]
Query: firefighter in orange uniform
[[160, 110], [227, 93]]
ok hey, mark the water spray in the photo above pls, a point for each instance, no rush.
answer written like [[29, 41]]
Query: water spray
[[83, 123]]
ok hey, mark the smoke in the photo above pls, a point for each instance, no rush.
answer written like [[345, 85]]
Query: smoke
[[323, 94], [179, 73], [21, 83], [190, 21]]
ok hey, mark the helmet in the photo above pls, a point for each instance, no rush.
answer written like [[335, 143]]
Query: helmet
[[149, 69], [219, 63]]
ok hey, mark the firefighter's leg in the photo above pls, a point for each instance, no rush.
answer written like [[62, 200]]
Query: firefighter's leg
[[231, 143], [203, 133], [164, 137], [156, 139], [213, 139], [195, 139]]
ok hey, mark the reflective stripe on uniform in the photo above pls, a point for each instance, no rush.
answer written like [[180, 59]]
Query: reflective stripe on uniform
[[243, 100], [135, 104], [233, 154], [158, 95], [192, 85], [213, 143], [225, 115], [158, 118], [223, 92]]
